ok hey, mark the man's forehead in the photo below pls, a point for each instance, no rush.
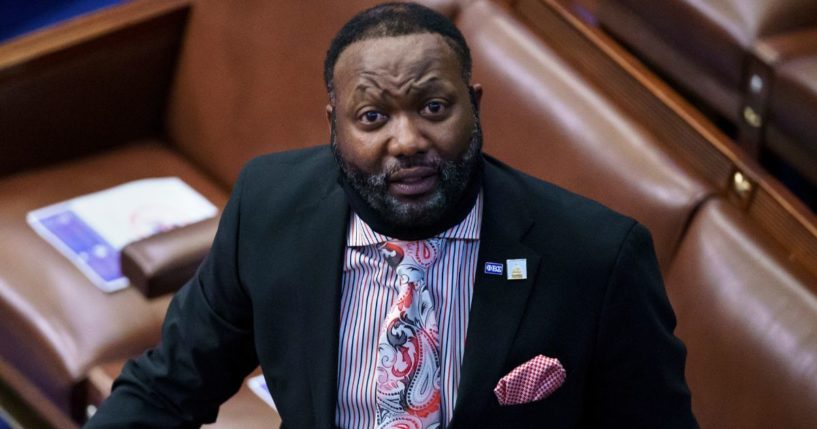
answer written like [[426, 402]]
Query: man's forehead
[[416, 59], [393, 54]]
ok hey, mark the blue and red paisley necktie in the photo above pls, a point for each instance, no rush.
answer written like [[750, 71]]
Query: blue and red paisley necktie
[[408, 355]]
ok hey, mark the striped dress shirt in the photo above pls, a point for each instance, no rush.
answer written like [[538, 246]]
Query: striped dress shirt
[[369, 287]]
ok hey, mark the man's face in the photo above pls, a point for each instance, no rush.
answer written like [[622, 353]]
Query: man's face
[[404, 125]]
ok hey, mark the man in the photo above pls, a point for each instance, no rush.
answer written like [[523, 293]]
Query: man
[[403, 279]]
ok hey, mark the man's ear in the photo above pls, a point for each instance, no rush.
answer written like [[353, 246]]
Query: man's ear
[[476, 90], [329, 110]]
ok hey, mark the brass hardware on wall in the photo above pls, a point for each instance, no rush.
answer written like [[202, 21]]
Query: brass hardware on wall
[[742, 187]]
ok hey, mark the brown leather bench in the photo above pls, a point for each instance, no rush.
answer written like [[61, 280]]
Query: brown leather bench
[[543, 116], [704, 46], [748, 318], [56, 323], [751, 62], [743, 280], [82, 111]]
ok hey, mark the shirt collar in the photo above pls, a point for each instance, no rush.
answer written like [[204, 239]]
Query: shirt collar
[[361, 234]]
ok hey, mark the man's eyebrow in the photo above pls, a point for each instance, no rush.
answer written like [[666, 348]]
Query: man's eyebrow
[[366, 84], [430, 83], [426, 81], [365, 91]]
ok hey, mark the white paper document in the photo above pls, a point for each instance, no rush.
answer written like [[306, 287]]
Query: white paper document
[[259, 386], [92, 229]]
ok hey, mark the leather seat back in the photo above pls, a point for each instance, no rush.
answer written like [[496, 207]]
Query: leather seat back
[[724, 30], [540, 115], [250, 79], [749, 323], [709, 61]]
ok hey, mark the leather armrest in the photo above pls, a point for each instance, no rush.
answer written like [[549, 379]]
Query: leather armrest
[[162, 263]]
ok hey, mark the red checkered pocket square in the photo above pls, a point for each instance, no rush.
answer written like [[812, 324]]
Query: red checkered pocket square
[[533, 380]]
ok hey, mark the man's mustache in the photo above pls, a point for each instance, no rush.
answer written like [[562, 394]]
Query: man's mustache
[[420, 160]]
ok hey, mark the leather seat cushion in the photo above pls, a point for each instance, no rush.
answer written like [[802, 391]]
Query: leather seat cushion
[[748, 320], [540, 115], [56, 323]]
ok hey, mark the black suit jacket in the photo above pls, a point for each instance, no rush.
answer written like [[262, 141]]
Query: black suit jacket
[[269, 292]]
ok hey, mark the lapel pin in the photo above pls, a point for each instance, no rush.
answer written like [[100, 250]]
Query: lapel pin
[[517, 269], [494, 268]]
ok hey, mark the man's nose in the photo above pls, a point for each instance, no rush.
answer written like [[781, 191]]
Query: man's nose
[[407, 138]]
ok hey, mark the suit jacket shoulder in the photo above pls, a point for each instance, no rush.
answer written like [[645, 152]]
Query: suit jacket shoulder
[[289, 179], [557, 216]]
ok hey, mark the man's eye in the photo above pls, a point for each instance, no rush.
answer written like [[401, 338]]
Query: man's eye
[[434, 108], [371, 117]]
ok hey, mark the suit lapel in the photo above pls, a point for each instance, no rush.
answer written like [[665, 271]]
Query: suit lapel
[[498, 304], [322, 232]]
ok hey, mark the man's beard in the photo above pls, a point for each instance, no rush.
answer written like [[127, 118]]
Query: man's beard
[[454, 177]]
